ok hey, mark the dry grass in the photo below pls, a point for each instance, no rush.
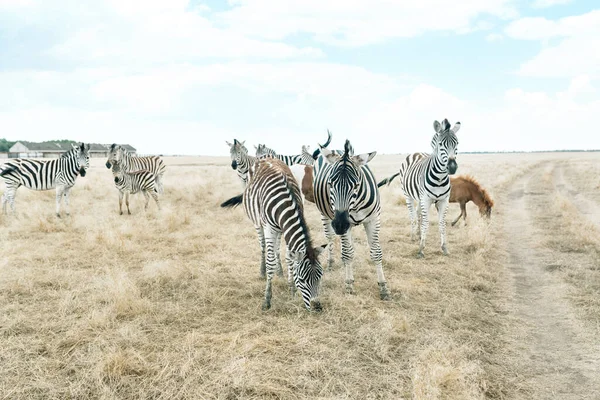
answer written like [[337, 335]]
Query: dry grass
[[574, 243], [166, 305]]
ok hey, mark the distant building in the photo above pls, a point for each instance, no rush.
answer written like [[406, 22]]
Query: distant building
[[23, 149]]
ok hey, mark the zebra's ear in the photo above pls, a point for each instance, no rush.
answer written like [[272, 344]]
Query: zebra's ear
[[320, 249], [456, 127], [75, 146], [363, 159], [228, 144], [437, 126]]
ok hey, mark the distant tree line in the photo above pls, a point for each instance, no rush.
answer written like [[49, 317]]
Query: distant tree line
[[5, 144]]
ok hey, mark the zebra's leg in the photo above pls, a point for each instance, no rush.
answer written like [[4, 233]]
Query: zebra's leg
[[120, 202], [442, 208], [9, 197], [347, 258], [59, 194], [425, 204], [155, 197], [147, 197], [291, 272], [67, 201], [412, 213], [261, 241], [330, 235], [127, 203], [270, 243], [277, 252], [372, 229]]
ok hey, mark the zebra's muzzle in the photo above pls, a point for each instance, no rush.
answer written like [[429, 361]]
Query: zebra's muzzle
[[234, 164], [341, 222], [452, 166], [108, 165], [82, 171]]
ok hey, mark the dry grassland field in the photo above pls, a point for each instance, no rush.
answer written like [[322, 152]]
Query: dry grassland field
[[167, 304]]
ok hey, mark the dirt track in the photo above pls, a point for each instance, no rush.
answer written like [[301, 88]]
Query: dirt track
[[561, 358]]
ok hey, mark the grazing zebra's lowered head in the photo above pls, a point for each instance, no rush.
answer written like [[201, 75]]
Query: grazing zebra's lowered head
[[344, 183], [445, 143]]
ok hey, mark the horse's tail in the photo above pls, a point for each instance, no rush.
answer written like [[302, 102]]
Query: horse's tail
[[387, 181], [233, 202]]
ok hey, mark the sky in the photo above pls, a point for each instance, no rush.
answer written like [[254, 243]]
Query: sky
[[184, 77]]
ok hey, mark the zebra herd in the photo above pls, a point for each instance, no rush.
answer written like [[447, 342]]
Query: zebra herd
[[276, 187], [131, 175], [346, 193]]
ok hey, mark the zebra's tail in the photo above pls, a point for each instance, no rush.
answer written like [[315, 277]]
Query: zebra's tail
[[159, 185], [7, 170], [387, 181], [233, 202]]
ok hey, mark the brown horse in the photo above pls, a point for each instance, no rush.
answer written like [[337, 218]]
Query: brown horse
[[465, 188]]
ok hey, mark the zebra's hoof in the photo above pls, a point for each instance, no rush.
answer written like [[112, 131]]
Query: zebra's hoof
[[350, 287], [57, 215], [383, 292], [445, 251], [266, 306], [420, 255]]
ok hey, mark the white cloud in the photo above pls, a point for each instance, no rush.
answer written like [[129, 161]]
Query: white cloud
[[493, 37], [574, 54], [357, 22], [549, 3]]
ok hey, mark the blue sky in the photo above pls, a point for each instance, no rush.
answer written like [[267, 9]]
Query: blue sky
[[182, 77]]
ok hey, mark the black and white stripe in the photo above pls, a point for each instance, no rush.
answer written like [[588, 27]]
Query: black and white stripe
[[59, 173], [241, 161], [272, 202], [346, 194], [133, 182], [425, 179], [304, 158], [130, 163]]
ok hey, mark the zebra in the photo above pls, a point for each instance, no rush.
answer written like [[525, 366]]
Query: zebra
[[346, 194], [425, 179], [241, 161], [272, 202], [132, 182], [59, 173], [130, 162], [304, 157]]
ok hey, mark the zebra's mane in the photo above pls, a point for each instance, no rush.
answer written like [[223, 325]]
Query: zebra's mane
[[67, 153], [310, 252]]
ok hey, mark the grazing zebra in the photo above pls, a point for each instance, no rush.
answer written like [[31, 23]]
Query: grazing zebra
[[303, 158], [130, 162], [241, 161], [133, 182], [346, 194], [425, 179], [59, 173], [272, 202]]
